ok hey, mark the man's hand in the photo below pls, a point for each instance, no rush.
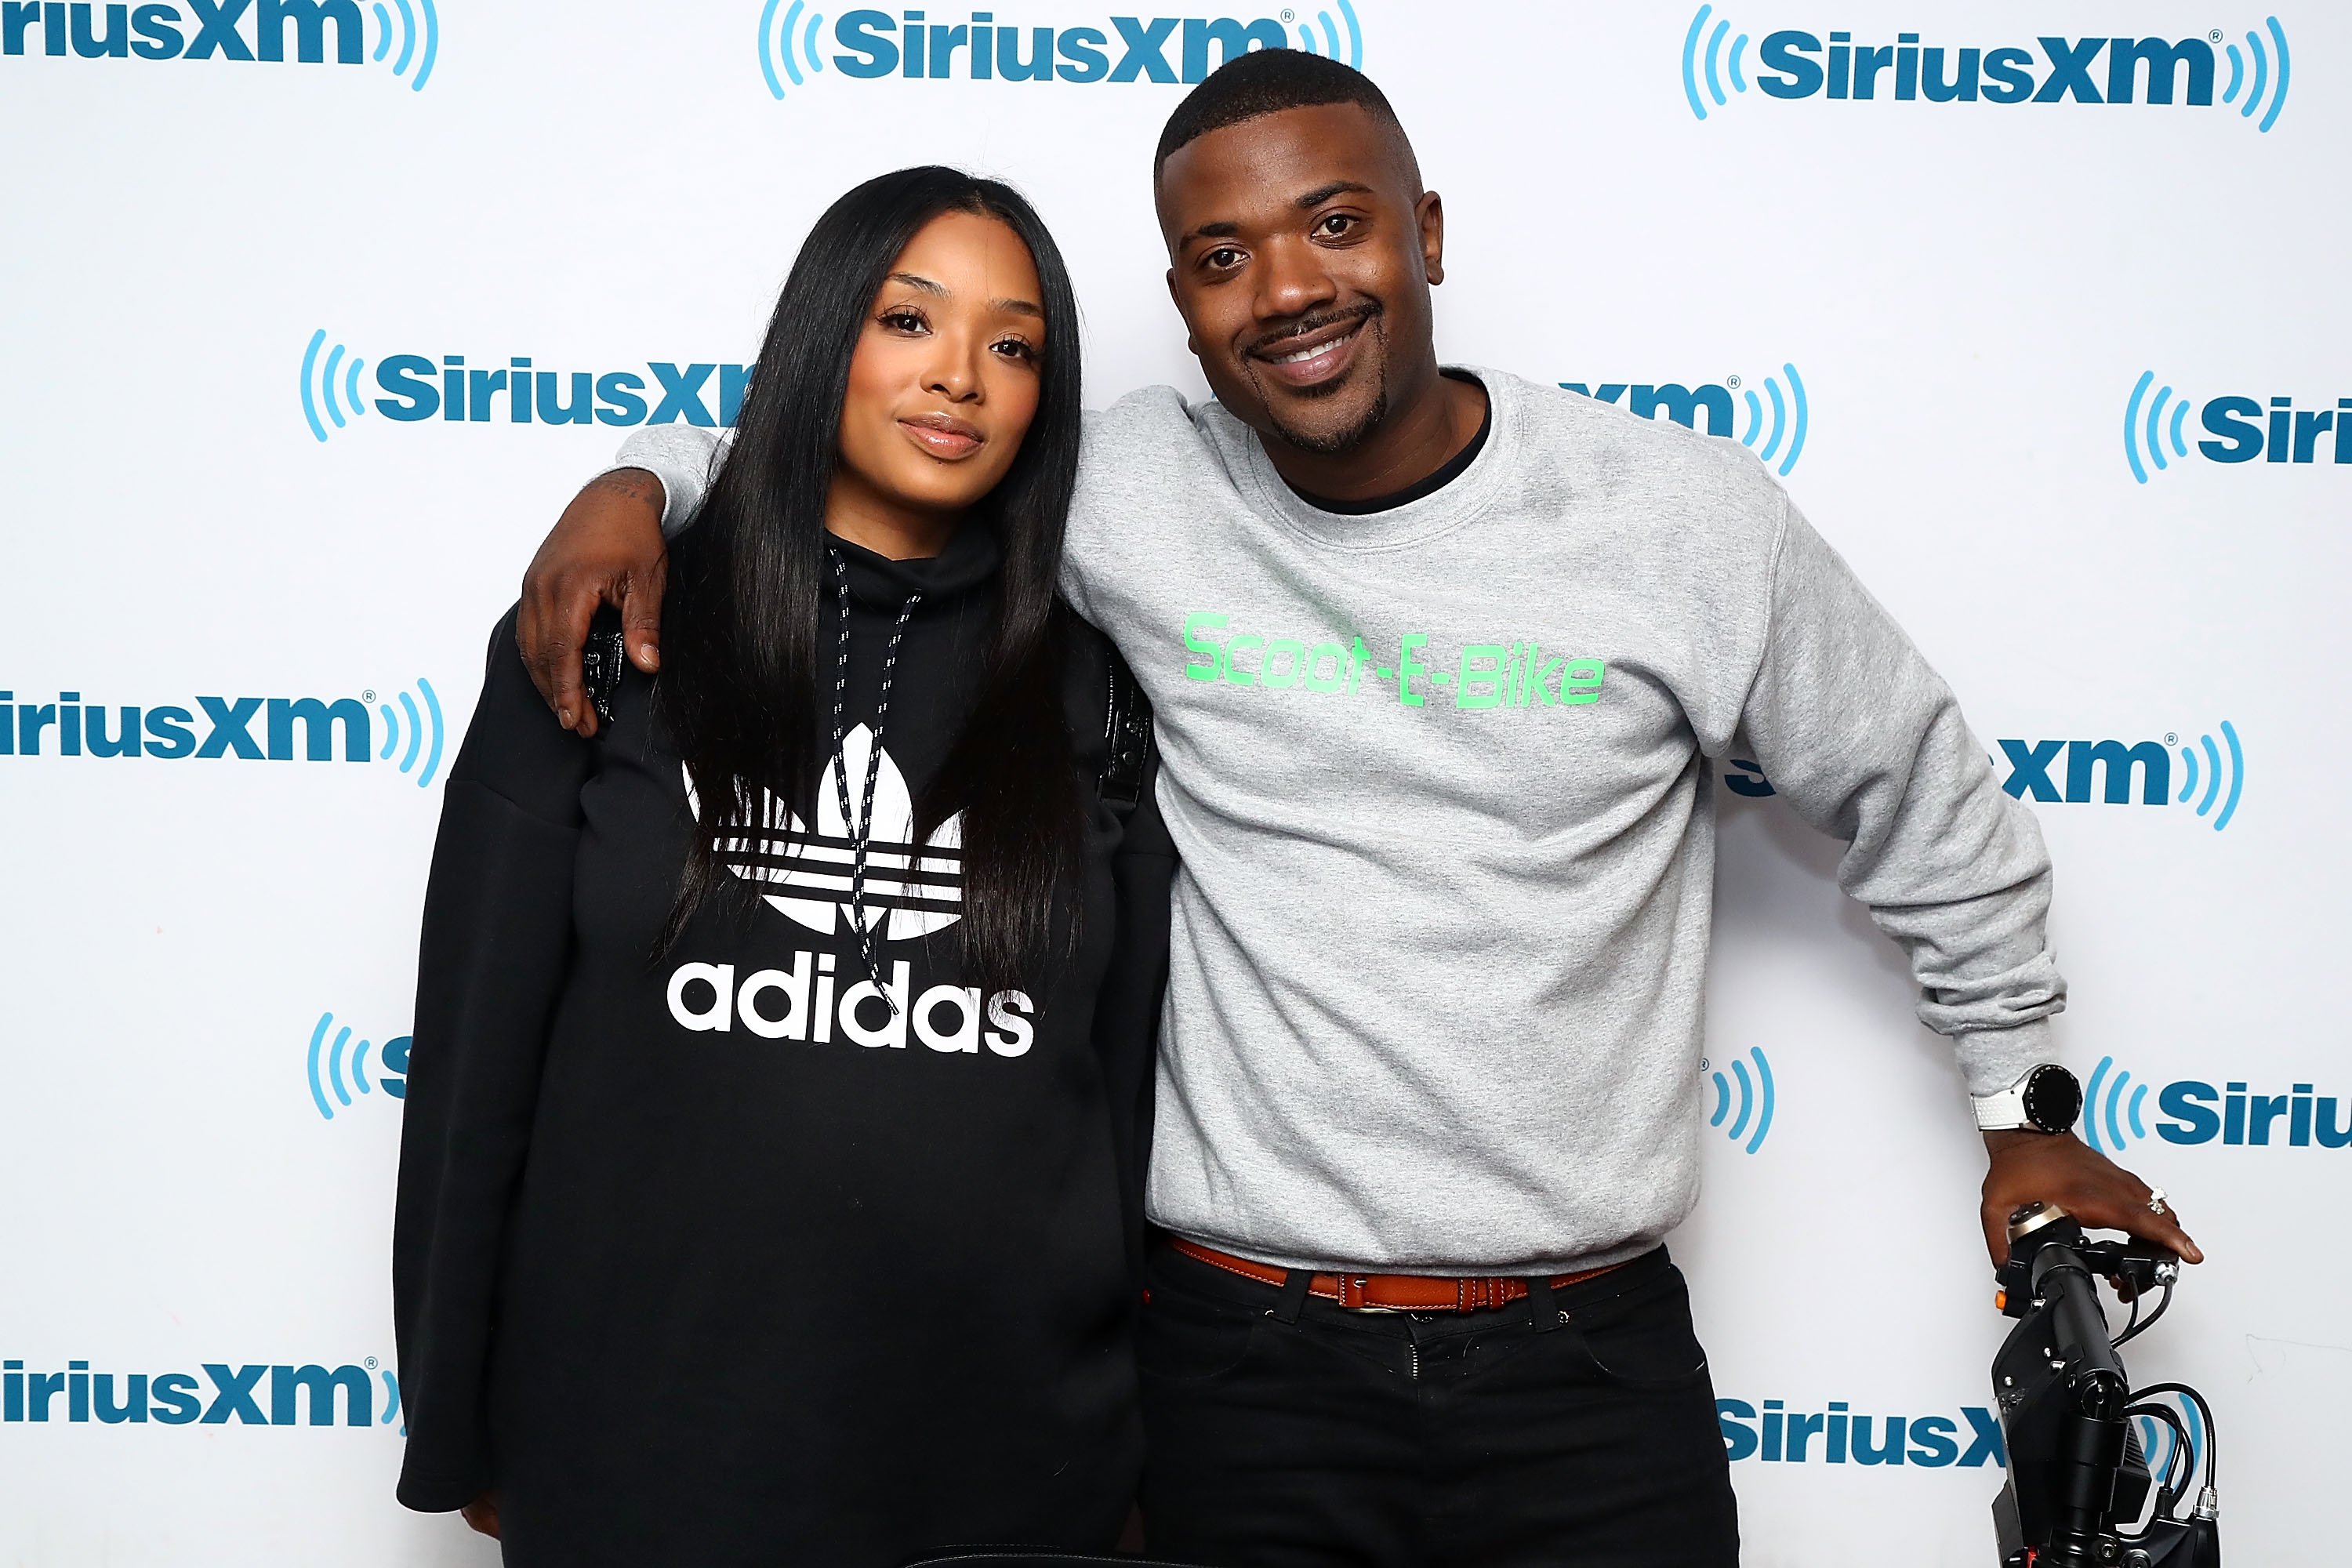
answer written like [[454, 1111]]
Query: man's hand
[[607, 549], [482, 1514], [2039, 1167]]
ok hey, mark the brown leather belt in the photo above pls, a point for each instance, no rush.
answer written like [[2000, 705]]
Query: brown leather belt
[[1387, 1293]]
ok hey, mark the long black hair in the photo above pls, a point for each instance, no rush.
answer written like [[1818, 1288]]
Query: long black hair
[[739, 687]]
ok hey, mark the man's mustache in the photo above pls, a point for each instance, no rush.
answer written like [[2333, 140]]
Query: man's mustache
[[1316, 322]]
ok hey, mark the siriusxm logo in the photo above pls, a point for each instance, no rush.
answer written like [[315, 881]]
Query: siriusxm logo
[[419, 387], [2104, 773], [1793, 64], [330, 1069], [1753, 1097], [2241, 429], [213, 30], [2191, 1111], [258, 1394], [1122, 49], [168, 731], [1783, 438], [1778, 1436]]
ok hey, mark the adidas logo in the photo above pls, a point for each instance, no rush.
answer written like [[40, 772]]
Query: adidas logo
[[917, 887], [911, 889]]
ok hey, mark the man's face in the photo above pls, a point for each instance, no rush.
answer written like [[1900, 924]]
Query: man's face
[[1301, 251]]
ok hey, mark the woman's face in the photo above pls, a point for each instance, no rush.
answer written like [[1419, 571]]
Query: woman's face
[[945, 377]]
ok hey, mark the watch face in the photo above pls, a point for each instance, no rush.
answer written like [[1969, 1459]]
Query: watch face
[[2053, 1099]]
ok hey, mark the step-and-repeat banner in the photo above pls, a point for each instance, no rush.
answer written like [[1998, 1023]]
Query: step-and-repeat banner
[[316, 310]]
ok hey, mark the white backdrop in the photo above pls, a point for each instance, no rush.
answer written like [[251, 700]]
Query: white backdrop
[[195, 1159]]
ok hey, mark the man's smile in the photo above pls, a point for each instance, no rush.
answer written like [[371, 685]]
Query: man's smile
[[1317, 353]]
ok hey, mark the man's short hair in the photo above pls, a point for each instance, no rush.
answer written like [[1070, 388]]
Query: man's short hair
[[1268, 81]]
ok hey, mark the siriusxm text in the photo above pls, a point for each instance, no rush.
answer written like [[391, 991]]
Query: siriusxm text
[[1666, 400], [2275, 430], [799, 1003], [207, 29], [258, 1394], [1518, 674], [256, 729], [417, 387], [2075, 773], [1835, 1435], [2153, 71], [2104, 768], [1124, 50], [2196, 1113]]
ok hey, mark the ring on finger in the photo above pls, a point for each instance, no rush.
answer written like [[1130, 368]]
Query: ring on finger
[[2155, 1201]]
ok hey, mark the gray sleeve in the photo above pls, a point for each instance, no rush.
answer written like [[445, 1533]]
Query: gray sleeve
[[683, 457], [1867, 744]]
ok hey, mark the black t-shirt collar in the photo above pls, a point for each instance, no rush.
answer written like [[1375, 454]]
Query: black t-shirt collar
[[1430, 484]]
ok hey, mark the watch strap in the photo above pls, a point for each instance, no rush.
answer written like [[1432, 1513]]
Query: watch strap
[[2027, 1105], [2002, 1110]]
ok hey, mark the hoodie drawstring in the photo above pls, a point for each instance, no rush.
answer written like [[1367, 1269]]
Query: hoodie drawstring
[[861, 827]]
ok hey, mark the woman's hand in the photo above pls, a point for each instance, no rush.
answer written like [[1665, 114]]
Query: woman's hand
[[482, 1513], [607, 549]]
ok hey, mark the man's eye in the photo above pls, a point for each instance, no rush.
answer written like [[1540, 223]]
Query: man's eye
[[1335, 225], [1222, 257]]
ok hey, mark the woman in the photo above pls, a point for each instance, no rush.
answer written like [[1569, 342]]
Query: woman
[[767, 1191]]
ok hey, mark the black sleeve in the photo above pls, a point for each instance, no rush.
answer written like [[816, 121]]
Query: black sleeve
[[490, 966], [1143, 868], [1126, 1011]]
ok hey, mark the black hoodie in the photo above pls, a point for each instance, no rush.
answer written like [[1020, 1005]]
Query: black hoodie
[[715, 1259]]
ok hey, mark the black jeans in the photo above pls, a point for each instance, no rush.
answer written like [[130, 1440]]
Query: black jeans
[[1584, 1437]]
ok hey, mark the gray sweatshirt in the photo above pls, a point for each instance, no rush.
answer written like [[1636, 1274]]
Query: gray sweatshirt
[[1441, 778]]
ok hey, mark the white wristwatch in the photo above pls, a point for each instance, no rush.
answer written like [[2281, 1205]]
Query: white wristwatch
[[2047, 1098]]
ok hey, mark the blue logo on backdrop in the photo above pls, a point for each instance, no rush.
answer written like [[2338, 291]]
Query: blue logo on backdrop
[[340, 1072], [1124, 49], [1778, 1436], [1791, 63], [2097, 772], [418, 387], [2104, 770], [407, 35], [1781, 431], [414, 729], [2158, 1442], [255, 1394], [414, 734], [1753, 1097], [2241, 429], [2193, 1110]]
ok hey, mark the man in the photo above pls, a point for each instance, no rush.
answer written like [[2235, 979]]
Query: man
[[1442, 660]]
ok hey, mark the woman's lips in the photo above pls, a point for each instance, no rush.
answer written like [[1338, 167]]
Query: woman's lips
[[943, 436]]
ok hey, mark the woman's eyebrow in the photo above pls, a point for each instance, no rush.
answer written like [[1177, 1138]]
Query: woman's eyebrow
[[932, 286]]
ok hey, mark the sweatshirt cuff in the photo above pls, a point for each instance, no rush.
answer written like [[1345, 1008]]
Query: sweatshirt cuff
[[1992, 1059], [676, 456]]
